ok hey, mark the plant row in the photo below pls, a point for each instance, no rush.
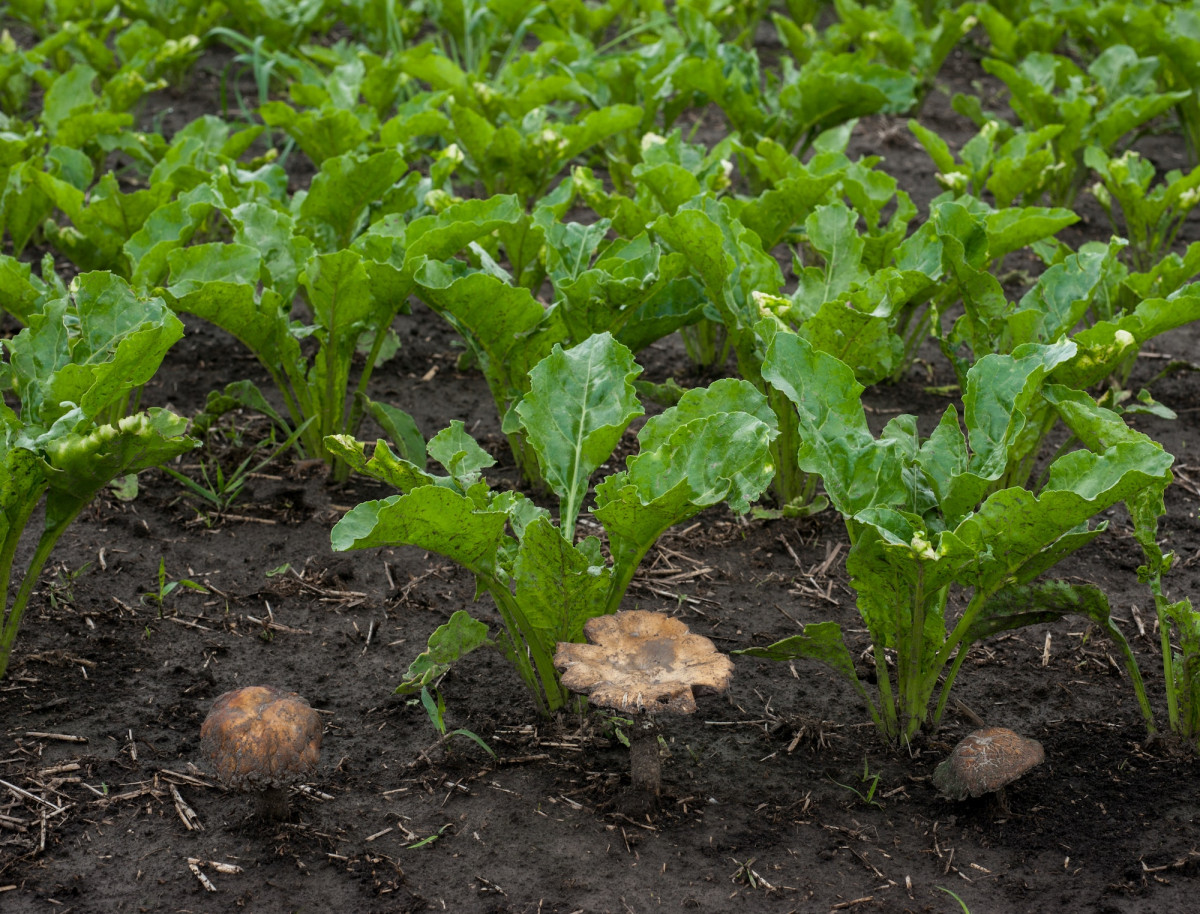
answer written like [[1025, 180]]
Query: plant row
[[524, 175]]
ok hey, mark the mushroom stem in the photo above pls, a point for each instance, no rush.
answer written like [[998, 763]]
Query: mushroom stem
[[645, 768], [273, 804]]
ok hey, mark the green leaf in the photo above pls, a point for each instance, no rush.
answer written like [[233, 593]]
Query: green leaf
[[440, 236], [1032, 604], [820, 641], [1105, 345], [429, 517], [321, 134], [271, 233], [24, 204], [217, 283], [998, 403], [87, 462], [88, 351], [507, 329], [21, 486], [342, 191], [401, 428], [450, 641], [1081, 485], [579, 404], [1014, 227], [836, 443], [832, 232], [21, 293], [727, 257], [557, 585], [460, 454], [685, 467], [724, 456], [169, 227], [382, 465], [729, 395]]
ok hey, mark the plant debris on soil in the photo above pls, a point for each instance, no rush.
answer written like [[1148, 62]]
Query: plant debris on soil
[[779, 796]]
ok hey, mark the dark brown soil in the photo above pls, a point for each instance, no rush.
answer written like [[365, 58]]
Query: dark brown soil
[[780, 797]]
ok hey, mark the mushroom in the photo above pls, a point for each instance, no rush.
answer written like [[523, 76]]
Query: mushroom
[[262, 738], [643, 662], [984, 762]]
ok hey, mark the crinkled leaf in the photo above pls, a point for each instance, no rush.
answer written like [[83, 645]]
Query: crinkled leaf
[[998, 401], [722, 457], [271, 233], [86, 463], [1014, 227], [90, 351], [729, 395], [459, 453], [726, 256], [1105, 345], [885, 574], [169, 227], [382, 465], [321, 134], [342, 191], [21, 293], [22, 481], [557, 585], [505, 326], [442, 235], [832, 231], [1081, 485], [214, 284], [429, 517]]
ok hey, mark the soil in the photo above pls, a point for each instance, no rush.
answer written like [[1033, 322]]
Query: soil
[[778, 797]]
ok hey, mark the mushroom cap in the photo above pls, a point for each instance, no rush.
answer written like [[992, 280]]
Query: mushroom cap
[[642, 661], [261, 736], [986, 760]]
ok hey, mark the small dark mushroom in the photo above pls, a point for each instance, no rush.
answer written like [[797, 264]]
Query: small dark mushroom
[[262, 738], [984, 762], [643, 663]]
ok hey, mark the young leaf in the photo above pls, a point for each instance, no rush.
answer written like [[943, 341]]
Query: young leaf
[[579, 403], [450, 641]]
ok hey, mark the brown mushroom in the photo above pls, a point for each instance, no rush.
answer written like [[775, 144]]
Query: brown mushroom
[[985, 761], [262, 738], [643, 663]]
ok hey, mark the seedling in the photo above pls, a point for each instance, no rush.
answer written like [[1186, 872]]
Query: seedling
[[165, 588], [870, 784], [962, 904], [63, 588], [221, 489], [435, 709]]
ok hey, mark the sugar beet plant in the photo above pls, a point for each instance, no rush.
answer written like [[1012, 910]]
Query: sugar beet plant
[[928, 520], [712, 447], [353, 294], [71, 369]]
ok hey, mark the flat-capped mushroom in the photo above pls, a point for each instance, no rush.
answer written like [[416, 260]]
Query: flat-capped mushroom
[[985, 761], [262, 738], [644, 663]]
